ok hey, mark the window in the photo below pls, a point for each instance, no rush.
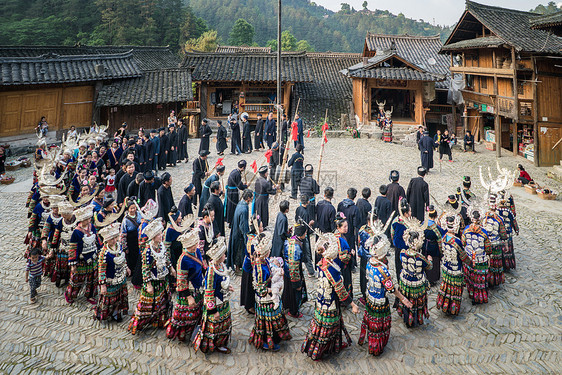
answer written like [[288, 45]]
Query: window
[[484, 83]]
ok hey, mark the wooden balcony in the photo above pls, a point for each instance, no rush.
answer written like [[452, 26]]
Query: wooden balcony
[[193, 105]]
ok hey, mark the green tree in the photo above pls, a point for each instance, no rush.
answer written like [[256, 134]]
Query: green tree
[[242, 33], [207, 42], [303, 45], [345, 8], [365, 5], [288, 41], [272, 43]]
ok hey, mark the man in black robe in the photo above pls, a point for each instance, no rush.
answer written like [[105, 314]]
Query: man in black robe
[[383, 208], [281, 230], [163, 155], [205, 193], [270, 129], [274, 161], [297, 169], [394, 191], [246, 134], [364, 207], [148, 188], [426, 146], [185, 207], [216, 202], [205, 133], [234, 184], [235, 146], [165, 197], [133, 188], [239, 233], [264, 188], [140, 152], [284, 129], [149, 153], [131, 148], [310, 188], [183, 135], [349, 209], [326, 213], [124, 182], [418, 194], [258, 135], [221, 138], [173, 141], [155, 141], [200, 172]]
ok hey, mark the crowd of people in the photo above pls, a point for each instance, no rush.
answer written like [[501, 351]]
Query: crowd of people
[[100, 218]]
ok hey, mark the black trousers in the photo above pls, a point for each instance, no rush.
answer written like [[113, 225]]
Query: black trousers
[[363, 276], [295, 182]]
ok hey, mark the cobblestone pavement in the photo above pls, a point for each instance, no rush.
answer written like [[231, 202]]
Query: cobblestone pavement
[[518, 331]]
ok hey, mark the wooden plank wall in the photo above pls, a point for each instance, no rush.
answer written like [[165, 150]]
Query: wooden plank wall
[[148, 116], [549, 92]]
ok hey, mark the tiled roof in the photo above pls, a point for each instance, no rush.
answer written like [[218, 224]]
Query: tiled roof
[[154, 87], [247, 67], [52, 68], [238, 49], [484, 42], [329, 89], [546, 20], [402, 73], [146, 57], [511, 26]]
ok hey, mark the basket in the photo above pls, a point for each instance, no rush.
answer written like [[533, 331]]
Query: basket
[[548, 196], [12, 165], [25, 162], [518, 183], [530, 189], [7, 180]]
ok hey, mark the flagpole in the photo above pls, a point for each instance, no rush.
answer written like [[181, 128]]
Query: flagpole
[[286, 153], [322, 147]]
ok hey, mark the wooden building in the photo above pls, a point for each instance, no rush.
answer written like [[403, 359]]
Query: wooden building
[[241, 81], [513, 79], [405, 71], [81, 84]]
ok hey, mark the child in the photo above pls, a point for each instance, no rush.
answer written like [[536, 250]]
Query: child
[[35, 270], [277, 282], [110, 183]]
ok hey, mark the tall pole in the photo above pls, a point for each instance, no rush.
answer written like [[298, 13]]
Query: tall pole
[[279, 73]]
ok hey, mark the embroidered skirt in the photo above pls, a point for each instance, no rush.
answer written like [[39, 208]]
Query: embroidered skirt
[[270, 326], [62, 268], [495, 274], [114, 302], [387, 135], [184, 318], [418, 297], [85, 276], [214, 333], [152, 308], [449, 297], [475, 277], [509, 255], [325, 334], [376, 326], [49, 267]]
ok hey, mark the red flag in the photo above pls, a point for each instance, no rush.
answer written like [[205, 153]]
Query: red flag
[[254, 166], [268, 154], [295, 131], [324, 127], [219, 162], [308, 134], [325, 138]]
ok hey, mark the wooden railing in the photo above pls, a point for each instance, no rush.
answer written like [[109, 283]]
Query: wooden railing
[[193, 104], [257, 107], [526, 109]]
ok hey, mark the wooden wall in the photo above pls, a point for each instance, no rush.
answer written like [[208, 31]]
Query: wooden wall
[[549, 95], [149, 116], [21, 110]]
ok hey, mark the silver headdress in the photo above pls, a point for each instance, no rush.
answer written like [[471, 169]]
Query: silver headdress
[[414, 234]]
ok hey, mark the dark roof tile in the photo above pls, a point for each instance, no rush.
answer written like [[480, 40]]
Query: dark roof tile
[[546, 20]]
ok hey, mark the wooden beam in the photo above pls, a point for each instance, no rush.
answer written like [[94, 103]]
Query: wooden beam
[[504, 73], [516, 96], [535, 114]]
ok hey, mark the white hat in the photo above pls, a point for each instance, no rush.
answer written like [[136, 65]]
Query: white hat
[[83, 213], [218, 249], [264, 242], [109, 232], [65, 208], [153, 229], [55, 200], [189, 238]]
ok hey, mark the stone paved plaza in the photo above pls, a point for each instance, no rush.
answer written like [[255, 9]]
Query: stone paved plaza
[[518, 331]]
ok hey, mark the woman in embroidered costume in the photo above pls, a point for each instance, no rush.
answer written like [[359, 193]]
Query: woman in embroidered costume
[[326, 329], [247, 292], [270, 324], [510, 222], [63, 235], [155, 299], [497, 234], [344, 257], [433, 245], [412, 282], [450, 292], [387, 126], [113, 300], [377, 318], [294, 290], [50, 242], [189, 299], [216, 325], [82, 257], [477, 246], [148, 213]]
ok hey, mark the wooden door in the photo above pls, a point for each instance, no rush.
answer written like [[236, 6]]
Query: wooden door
[[77, 106], [548, 136], [10, 114]]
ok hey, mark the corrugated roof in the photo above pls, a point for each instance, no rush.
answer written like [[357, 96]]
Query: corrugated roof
[[154, 87], [51, 68], [238, 49], [484, 42], [247, 67], [511, 26], [546, 20], [328, 90]]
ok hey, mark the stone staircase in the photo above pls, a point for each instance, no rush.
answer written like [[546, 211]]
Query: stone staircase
[[556, 172]]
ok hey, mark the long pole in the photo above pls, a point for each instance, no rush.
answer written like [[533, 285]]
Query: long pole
[[322, 148], [279, 72], [286, 153]]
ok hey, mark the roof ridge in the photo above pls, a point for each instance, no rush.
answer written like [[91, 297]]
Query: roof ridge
[[56, 57], [247, 53], [60, 46], [404, 36], [473, 3]]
